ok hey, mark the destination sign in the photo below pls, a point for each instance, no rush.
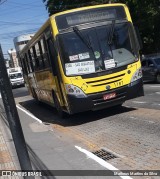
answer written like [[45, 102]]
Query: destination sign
[[90, 15]]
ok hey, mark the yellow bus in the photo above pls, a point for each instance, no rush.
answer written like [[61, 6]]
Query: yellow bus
[[84, 59]]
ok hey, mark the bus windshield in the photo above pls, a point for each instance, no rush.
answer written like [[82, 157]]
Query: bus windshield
[[98, 48]]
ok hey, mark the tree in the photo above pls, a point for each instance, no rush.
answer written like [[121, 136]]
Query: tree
[[145, 15], [55, 6]]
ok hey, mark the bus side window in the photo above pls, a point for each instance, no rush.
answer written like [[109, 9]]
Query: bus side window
[[27, 64], [35, 58], [30, 61], [45, 53], [32, 58], [24, 66], [38, 57], [41, 60]]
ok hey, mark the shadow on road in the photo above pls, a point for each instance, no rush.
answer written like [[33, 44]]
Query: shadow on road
[[20, 92], [150, 82], [48, 114]]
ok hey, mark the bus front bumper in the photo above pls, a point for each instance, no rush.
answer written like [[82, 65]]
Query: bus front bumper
[[96, 101]]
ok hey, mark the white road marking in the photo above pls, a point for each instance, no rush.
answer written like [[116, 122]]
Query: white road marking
[[155, 104], [29, 114], [132, 117], [154, 86], [100, 161], [140, 102], [0, 95], [157, 92]]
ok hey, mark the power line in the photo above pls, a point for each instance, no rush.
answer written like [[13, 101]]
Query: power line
[[17, 23], [23, 4], [17, 11], [2, 2], [11, 34]]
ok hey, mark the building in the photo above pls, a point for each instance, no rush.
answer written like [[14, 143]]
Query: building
[[13, 58], [21, 41]]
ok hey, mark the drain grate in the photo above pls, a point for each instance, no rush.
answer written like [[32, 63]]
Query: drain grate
[[105, 155]]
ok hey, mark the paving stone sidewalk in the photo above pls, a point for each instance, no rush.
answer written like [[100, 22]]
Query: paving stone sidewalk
[[8, 156]]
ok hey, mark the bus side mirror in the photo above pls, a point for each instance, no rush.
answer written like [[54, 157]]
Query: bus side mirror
[[139, 37]]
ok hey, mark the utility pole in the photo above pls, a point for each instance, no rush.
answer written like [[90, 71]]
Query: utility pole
[[13, 118]]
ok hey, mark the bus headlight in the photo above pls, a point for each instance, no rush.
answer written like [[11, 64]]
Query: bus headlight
[[137, 75], [74, 90]]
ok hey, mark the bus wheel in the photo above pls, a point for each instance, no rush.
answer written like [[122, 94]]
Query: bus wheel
[[158, 78], [57, 106]]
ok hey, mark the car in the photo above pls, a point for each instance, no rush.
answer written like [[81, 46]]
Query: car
[[151, 68]]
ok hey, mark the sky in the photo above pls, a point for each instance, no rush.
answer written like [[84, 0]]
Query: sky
[[19, 17]]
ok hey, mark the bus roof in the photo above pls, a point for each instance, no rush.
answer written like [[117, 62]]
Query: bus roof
[[85, 8]]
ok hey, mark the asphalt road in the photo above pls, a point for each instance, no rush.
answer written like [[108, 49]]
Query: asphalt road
[[130, 133], [151, 100]]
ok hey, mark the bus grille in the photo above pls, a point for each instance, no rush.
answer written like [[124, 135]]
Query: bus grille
[[105, 81]]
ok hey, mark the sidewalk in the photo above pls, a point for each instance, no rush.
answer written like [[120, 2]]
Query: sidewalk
[[8, 156]]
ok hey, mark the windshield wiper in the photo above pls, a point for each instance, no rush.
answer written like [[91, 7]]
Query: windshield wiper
[[78, 32], [110, 36], [85, 41], [111, 33]]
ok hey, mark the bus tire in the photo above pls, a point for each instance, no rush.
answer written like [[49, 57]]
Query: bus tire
[[158, 78], [57, 106]]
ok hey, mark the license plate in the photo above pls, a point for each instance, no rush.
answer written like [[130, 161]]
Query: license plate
[[109, 96]]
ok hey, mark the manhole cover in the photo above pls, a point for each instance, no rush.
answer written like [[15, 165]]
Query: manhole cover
[[105, 155]]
